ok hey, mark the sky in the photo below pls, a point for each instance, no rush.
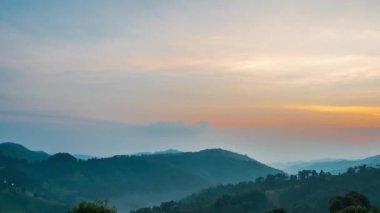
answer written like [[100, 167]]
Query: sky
[[277, 80]]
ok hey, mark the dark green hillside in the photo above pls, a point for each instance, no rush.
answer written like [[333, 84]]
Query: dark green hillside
[[306, 192], [130, 181], [17, 151], [21, 203]]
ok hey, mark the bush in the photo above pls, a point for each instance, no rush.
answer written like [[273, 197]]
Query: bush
[[93, 207]]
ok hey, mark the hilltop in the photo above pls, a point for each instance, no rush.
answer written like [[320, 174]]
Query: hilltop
[[129, 181]]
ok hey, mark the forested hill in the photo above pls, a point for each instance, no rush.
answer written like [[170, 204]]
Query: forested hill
[[306, 192], [127, 181], [17, 151]]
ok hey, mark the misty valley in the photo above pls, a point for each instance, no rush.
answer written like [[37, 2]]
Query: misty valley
[[208, 181]]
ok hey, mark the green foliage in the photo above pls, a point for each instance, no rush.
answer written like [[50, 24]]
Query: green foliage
[[359, 209], [351, 202], [354, 209], [93, 207], [20, 203], [307, 192]]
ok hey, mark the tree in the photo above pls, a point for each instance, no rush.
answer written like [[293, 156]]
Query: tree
[[354, 209], [93, 207], [351, 202]]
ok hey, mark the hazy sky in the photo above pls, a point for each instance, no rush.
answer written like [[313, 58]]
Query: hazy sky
[[278, 80]]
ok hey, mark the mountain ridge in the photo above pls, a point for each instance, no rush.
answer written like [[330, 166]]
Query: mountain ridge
[[143, 179], [20, 152], [328, 165]]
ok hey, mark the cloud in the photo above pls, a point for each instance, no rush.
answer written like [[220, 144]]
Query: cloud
[[267, 143], [329, 115], [365, 110], [153, 64], [98, 137], [156, 129], [170, 129]]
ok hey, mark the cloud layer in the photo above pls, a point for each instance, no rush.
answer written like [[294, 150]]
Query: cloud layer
[[242, 64]]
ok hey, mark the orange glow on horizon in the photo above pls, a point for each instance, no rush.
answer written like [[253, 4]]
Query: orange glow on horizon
[[365, 110], [293, 115]]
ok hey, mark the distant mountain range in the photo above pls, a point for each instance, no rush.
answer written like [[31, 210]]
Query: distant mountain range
[[165, 152], [17, 151], [34, 181], [128, 181], [328, 165]]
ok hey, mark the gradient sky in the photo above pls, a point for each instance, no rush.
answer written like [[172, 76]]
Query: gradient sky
[[277, 80]]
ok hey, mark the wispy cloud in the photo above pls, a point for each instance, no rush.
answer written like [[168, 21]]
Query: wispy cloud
[[365, 110], [328, 115], [143, 62]]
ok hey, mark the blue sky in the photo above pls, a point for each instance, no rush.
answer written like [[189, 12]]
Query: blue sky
[[257, 77]]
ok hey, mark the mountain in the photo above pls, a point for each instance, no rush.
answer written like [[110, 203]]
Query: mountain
[[306, 192], [83, 157], [129, 182], [373, 161], [165, 152], [225, 153], [328, 165], [17, 151]]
